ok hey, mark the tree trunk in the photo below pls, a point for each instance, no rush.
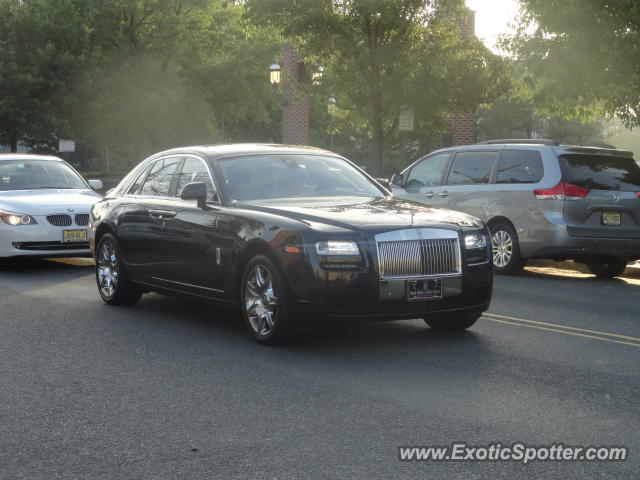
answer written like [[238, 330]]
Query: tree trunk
[[377, 125], [14, 145]]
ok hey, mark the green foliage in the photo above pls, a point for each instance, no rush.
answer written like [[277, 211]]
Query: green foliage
[[126, 78], [383, 55], [507, 118], [581, 56]]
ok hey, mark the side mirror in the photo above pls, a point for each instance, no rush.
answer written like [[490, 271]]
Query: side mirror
[[195, 191], [384, 182], [397, 179], [96, 184]]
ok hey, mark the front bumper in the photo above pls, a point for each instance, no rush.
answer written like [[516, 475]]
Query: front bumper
[[361, 296], [39, 240]]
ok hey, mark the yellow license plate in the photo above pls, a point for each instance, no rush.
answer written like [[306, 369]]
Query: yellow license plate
[[610, 218], [71, 236]]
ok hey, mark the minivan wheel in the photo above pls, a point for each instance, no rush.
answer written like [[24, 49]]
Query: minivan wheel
[[265, 302], [452, 322], [114, 284], [608, 269], [505, 249]]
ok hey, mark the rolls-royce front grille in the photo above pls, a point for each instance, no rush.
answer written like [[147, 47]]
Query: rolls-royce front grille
[[82, 219], [59, 220], [416, 258]]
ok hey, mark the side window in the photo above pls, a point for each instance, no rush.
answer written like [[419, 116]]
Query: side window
[[470, 168], [195, 170], [519, 166], [428, 173], [134, 189], [158, 182]]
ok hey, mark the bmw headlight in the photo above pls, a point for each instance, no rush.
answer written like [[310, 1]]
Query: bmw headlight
[[475, 240], [334, 247], [16, 219]]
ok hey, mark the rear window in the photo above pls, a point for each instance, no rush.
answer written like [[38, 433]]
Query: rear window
[[519, 166], [601, 172]]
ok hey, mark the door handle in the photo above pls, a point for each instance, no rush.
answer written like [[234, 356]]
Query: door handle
[[161, 214], [444, 194], [429, 194]]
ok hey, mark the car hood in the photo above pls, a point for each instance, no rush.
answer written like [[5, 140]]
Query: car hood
[[47, 201], [368, 213]]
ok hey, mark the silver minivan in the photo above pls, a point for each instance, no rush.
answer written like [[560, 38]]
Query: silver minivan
[[539, 199]]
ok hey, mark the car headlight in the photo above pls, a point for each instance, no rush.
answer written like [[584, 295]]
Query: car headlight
[[333, 247], [16, 219], [474, 240]]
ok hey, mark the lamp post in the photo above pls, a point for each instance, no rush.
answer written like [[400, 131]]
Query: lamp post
[[274, 74], [295, 111]]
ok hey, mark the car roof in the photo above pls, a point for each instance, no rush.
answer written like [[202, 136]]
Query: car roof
[[231, 150], [28, 156]]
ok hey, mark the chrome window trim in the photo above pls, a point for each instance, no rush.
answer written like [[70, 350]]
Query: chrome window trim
[[216, 191], [145, 172], [182, 156]]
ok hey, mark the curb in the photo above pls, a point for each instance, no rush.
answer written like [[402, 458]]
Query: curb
[[632, 271]]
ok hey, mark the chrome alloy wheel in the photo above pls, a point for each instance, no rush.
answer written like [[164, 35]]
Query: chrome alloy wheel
[[108, 269], [260, 300], [502, 247]]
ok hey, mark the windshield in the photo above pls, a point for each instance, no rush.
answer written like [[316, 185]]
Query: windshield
[[601, 172], [32, 174], [294, 176]]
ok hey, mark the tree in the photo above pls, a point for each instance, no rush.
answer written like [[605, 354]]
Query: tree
[[581, 56], [511, 118], [384, 55], [43, 43]]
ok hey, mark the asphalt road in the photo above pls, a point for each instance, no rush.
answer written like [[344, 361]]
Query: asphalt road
[[171, 389]]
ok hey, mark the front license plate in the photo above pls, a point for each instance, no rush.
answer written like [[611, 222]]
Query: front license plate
[[430, 289], [74, 236], [610, 218]]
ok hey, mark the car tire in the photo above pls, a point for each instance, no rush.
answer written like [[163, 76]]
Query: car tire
[[607, 269], [265, 302], [506, 250], [452, 322], [114, 285]]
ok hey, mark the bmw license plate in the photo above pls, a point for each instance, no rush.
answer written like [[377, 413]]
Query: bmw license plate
[[610, 218], [430, 289], [74, 236]]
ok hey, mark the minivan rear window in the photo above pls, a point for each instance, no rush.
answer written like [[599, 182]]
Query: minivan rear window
[[601, 172]]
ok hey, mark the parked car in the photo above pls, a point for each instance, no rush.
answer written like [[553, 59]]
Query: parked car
[[539, 199], [44, 207], [287, 234]]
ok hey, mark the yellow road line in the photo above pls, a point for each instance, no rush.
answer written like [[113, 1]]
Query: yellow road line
[[565, 332], [597, 332]]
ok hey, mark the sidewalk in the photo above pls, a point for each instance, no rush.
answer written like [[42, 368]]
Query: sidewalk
[[632, 271]]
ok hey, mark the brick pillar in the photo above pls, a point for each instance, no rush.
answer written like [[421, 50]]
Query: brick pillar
[[463, 128], [463, 124], [295, 115]]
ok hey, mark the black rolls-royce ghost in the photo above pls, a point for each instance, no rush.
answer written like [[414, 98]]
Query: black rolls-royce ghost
[[287, 234]]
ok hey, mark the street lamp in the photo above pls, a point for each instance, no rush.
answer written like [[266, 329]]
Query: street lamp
[[274, 74], [316, 77]]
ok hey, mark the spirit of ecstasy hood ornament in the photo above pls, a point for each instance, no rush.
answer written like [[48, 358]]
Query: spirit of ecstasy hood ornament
[[413, 214]]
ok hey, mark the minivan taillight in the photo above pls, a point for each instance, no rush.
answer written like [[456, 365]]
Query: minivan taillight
[[562, 191], [638, 194]]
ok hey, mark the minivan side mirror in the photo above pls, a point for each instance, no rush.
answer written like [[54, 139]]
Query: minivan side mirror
[[397, 179], [96, 184], [195, 191]]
